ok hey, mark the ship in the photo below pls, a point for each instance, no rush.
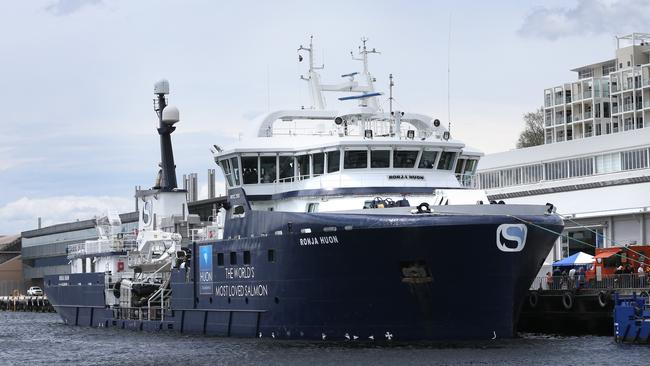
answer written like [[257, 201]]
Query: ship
[[347, 224]]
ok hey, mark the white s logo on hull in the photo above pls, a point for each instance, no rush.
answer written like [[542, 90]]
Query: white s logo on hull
[[515, 233]]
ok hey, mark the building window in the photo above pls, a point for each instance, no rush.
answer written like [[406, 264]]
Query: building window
[[556, 170], [581, 167], [635, 159], [532, 174], [220, 259], [233, 258], [608, 163], [510, 177], [247, 257]]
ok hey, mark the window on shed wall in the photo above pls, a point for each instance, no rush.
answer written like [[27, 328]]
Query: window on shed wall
[[404, 159], [333, 161], [318, 160], [635, 159], [249, 169], [267, 169], [428, 159], [355, 159], [380, 158], [446, 160]]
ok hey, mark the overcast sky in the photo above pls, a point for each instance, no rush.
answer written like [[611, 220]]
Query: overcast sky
[[77, 131]]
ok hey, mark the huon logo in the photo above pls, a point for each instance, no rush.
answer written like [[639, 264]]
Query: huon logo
[[511, 237]]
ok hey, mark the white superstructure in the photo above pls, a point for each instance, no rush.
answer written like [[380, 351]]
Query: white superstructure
[[331, 159], [595, 164]]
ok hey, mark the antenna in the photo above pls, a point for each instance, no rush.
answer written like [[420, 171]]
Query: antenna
[[390, 88], [363, 51], [449, 77]]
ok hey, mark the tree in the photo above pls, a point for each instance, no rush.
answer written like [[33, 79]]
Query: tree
[[533, 133]]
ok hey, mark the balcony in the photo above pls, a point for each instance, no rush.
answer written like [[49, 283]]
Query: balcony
[[646, 81], [577, 117], [614, 109], [559, 120], [614, 88], [588, 115], [627, 107], [587, 94]]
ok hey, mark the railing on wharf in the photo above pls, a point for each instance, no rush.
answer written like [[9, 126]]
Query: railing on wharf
[[628, 281]]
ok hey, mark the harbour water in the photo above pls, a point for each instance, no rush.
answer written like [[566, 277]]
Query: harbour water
[[43, 339]]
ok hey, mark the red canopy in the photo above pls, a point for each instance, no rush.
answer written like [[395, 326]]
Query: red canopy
[[606, 253]]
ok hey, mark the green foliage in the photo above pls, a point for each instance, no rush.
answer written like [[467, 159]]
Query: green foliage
[[533, 133]]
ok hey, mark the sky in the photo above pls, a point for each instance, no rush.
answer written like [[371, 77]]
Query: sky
[[77, 131]]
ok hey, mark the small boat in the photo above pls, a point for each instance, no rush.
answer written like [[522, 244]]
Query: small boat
[[632, 319]]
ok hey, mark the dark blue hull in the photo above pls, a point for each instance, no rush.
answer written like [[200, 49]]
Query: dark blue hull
[[372, 277]]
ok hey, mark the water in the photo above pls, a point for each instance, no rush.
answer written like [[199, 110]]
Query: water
[[42, 339]]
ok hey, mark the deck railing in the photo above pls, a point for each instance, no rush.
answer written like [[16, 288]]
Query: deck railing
[[122, 243], [580, 281]]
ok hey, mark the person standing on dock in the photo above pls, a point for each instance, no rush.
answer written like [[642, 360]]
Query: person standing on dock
[[549, 281], [641, 274], [572, 278]]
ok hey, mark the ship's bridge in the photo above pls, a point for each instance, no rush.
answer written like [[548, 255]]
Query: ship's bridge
[[331, 162]]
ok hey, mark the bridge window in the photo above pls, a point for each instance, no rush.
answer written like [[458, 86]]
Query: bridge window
[[319, 163], [235, 169], [267, 169], [303, 166], [355, 159], [249, 169], [470, 166], [380, 158], [446, 160], [404, 159], [428, 159], [227, 172], [286, 168], [333, 161]]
